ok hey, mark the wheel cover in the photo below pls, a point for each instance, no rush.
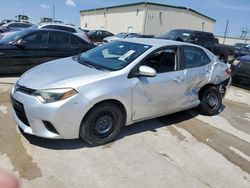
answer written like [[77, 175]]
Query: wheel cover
[[212, 100], [103, 123]]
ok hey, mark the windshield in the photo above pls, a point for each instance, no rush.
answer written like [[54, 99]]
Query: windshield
[[10, 37], [175, 34], [113, 56]]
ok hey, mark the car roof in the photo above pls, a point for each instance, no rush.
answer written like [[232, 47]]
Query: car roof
[[59, 24], [45, 29], [155, 42]]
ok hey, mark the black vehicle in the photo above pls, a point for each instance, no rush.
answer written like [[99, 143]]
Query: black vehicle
[[14, 26], [241, 68], [205, 39], [98, 35], [23, 50], [240, 45], [242, 51]]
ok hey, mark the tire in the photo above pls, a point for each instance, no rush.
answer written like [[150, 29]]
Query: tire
[[102, 124], [211, 101]]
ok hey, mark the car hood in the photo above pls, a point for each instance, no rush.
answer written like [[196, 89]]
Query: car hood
[[62, 73]]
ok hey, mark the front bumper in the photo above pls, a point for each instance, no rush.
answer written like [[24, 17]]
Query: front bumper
[[65, 116]]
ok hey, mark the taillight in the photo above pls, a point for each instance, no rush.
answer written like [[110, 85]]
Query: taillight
[[228, 71]]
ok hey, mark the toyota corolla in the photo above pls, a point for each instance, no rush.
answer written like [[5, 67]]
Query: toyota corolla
[[94, 94]]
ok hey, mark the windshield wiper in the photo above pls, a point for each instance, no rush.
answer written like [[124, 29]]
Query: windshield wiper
[[92, 65]]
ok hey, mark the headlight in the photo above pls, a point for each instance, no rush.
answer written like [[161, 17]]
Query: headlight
[[236, 62], [53, 95]]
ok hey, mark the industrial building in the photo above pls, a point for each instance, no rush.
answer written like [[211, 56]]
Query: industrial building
[[145, 18]]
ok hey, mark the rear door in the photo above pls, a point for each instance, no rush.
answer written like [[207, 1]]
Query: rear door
[[59, 44], [198, 69], [163, 94]]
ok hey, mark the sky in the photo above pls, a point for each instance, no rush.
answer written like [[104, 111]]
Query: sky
[[236, 11]]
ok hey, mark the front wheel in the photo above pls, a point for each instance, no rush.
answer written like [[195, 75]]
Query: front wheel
[[102, 124], [211, 101]]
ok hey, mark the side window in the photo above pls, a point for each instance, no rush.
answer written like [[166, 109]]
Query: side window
[[59, 39], [99, 33], [164, 60], [49, 27], [40, 37], [68, 29], [77, 42], [195, 57], [209, 39], [198, 38], [13, 25]]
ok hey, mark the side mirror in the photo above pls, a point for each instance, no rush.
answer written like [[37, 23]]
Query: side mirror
[[146, 71], [21, 43]]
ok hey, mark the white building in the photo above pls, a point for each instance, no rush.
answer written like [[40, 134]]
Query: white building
[[232, 40], [145, 18]]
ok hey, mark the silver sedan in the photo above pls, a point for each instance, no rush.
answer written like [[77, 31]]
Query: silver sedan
[[96, 93]]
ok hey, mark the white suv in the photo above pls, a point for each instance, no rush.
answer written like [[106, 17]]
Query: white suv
[[64, 27]]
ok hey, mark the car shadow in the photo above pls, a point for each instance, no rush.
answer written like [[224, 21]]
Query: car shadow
[[10, 75], [149, 125]]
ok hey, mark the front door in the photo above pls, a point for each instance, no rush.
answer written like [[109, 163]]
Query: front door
[[164, 93], [17, 59]]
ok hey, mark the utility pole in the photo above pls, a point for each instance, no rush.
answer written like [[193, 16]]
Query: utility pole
[[54, 13], [225, 33]]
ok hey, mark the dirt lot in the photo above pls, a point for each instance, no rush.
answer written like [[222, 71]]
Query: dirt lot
[[180, 150]]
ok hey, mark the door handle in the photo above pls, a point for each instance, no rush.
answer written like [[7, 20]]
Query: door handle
[[178, 79], [208, 71]]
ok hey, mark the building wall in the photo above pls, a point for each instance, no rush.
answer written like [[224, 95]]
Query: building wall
[[232, 40], [159, 19], [162, 19], [115, 20]]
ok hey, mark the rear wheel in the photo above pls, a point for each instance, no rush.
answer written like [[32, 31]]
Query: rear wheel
[[211, 101], [102, 124]]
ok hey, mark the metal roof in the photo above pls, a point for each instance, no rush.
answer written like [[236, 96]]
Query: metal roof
[[151, 3]]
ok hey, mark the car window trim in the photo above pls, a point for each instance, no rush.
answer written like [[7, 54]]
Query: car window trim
[[179, 61], [35, 32]]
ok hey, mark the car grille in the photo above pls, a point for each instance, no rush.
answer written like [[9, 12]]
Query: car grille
[[19, 109], [24, 89]]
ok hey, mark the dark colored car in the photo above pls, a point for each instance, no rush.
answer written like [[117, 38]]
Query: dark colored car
[[98, 35], [14, 26], [20, 51], [224, 52], [240, 45], [241, 68], [242, 51]]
